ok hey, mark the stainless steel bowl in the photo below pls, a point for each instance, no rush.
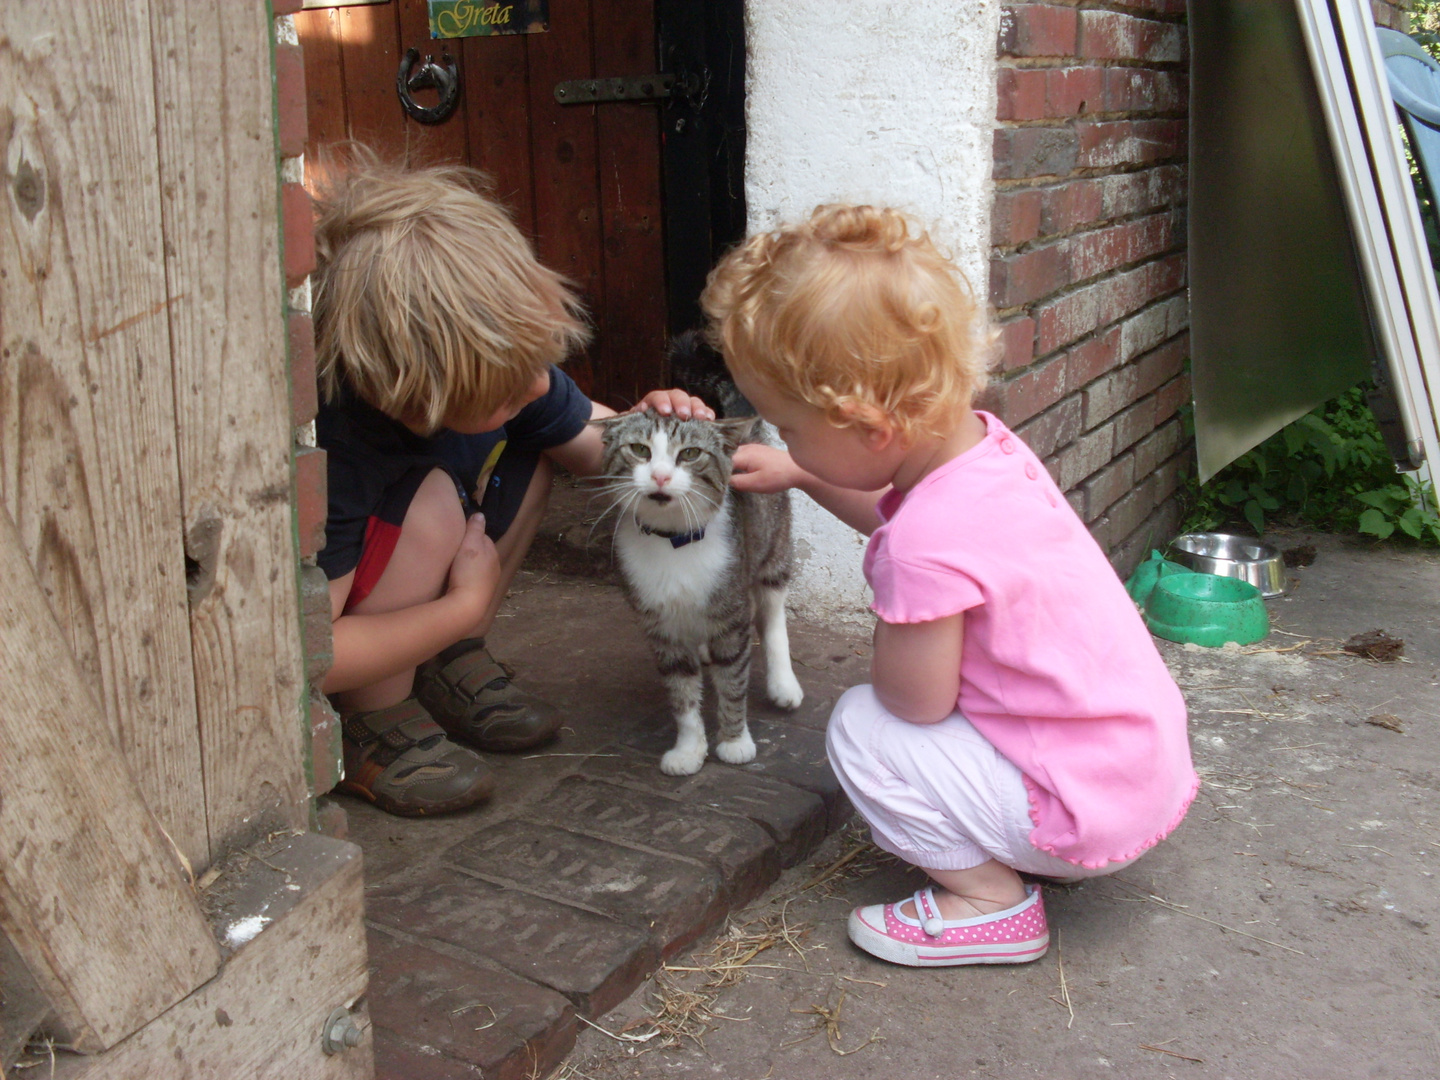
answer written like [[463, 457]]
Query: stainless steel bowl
[[1240, 557]]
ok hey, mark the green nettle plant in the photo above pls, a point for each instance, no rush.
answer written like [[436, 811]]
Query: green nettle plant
[[1327, 470]]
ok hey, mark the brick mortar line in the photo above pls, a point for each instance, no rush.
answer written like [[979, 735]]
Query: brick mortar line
[[1059, 122], [1092, 5], [1099, 225], [1116, 6], [1179, 453], [1080, 343], [1074, 287], [1114, 271], [1070, 60], [1089, 172]]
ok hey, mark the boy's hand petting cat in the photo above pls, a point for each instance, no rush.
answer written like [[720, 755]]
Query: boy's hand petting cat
[[675, 403], [764, 469], [475, 570]]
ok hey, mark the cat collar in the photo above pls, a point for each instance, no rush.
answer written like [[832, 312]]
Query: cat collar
[[677, 540]]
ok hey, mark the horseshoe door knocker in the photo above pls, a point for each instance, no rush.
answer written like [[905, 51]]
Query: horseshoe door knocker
[[429, 76]]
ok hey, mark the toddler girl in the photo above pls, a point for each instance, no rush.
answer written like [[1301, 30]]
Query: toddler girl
[[1019, 718]]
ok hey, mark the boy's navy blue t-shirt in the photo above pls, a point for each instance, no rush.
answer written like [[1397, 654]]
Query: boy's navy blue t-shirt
[[375, 464]]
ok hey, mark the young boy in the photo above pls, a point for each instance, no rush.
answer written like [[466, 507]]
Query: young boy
[[437, 335]]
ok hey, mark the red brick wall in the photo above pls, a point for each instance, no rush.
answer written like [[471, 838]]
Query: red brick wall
[[309, 461], [1392, 13], [1088, 266]]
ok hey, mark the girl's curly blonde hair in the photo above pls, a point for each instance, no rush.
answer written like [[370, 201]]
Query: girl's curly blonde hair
[[428, 301], [857, 313]]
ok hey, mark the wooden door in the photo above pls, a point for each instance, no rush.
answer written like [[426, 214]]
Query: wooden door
[[583, 180]]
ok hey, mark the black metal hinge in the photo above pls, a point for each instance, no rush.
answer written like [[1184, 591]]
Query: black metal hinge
[[625, 88]]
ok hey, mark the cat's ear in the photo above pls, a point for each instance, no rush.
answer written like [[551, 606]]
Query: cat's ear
[[604, 422], [737, 431]]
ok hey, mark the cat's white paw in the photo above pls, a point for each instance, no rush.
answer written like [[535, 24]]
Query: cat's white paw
[[784, 689], [685, 760], [736, 751]]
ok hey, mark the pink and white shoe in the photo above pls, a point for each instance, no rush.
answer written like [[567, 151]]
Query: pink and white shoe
[[1013, 936]]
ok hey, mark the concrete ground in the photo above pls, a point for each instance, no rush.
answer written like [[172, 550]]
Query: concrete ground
[[1286, 930], [491, 931]]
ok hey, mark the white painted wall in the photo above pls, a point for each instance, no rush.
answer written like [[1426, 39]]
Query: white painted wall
[[877, 102]]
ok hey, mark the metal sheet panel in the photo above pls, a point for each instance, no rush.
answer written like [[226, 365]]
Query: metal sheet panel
[[1279, 322]]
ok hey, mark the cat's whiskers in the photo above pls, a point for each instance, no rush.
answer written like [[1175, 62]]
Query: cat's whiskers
[[632, 496], [624, 497]]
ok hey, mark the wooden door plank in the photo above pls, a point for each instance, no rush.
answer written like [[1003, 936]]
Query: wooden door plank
[[630, 360], [91, 893], [319, 32], [88, 465], [368, 49], [219, 186], [497, 108], [567, 192], [428, 144], [261, 1019]]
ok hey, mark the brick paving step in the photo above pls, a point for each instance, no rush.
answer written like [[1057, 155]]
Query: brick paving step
[[482, 956], [437, 1016], [671, 900]]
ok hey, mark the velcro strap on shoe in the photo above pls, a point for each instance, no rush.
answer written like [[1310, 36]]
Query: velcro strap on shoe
[[398, 727], [467, 668]]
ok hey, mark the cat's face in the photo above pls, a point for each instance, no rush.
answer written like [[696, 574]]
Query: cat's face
[[670, 473]]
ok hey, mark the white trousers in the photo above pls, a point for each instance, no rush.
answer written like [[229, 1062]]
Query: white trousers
[[938, 796]]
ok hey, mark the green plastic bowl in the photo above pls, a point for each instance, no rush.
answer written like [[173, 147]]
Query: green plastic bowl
[[1206, 609], [1143, 580]]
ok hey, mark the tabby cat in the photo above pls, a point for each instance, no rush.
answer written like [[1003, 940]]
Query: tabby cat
[[701, 564]]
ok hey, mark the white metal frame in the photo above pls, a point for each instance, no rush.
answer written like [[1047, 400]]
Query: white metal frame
[[1385, 220]]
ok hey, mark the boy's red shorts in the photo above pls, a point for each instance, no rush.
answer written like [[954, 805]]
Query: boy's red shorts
[[375, 465]]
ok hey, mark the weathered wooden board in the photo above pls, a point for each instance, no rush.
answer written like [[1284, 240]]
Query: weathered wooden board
[[631, 344], [319, 33], [369, 46], [88, 467], [497, 109], [219, 203], [91, 894], [261, 1019], [564, 157]]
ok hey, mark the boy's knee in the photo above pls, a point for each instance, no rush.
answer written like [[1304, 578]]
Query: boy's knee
[[435, 522]]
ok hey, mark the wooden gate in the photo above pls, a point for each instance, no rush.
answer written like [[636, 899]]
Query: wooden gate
[[585, 181], [151, 671]]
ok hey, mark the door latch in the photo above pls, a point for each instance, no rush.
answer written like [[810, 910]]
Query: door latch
[[626, 88]]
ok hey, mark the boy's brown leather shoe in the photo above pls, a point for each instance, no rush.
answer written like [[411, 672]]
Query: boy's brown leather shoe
[[399, 759], [471, 696]]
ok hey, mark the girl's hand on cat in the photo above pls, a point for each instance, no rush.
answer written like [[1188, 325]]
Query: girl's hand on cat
[[764, 469], [475, 570], [676, 403]]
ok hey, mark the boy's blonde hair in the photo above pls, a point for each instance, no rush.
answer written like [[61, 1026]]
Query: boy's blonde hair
[[428, 301], [857, 314]]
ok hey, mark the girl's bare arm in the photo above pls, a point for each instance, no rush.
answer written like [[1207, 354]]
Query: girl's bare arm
[[768, 469], [916, 668]]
